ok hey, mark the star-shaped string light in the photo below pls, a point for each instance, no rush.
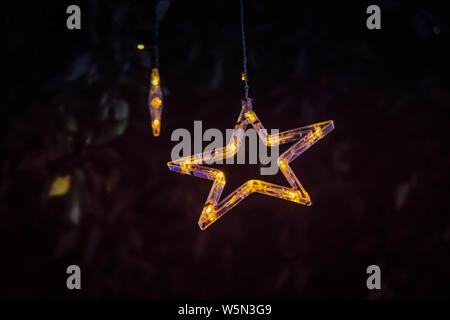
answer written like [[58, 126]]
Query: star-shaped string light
[[213, 209]]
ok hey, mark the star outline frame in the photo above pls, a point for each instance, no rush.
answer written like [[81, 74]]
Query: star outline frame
[[214, 209]]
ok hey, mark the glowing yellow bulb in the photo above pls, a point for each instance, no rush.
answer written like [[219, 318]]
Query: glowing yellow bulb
[[282, 164], [156, 102], [252, 186], [140, 46], [156, 126], [318, 132], [219, 175], [155, 77], [186, 165], [243, 76], [209, 214], [251, 116], [220, 178], [293, 195], [272, 141]]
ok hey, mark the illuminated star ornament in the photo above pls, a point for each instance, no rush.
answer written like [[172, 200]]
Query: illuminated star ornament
[[303, 137], [213, 209]]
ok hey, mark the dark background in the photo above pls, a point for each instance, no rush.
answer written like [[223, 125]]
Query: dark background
[[73, 103]]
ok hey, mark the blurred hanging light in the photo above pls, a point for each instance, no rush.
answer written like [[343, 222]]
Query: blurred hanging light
[[155, 102]]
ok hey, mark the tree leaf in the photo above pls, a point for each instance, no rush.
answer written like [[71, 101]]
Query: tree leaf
[[120, 109], [79, 67], [60, 186]]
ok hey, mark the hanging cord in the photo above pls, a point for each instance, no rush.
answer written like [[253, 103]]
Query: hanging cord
[[160, 11], [156, 47], [244, 51]]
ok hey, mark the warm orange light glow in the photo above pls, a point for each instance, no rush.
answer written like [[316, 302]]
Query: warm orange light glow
[[251, 116], [156, 102], [156, 126], [208, 216], [318, 132], [155, 77], [220, 175]]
